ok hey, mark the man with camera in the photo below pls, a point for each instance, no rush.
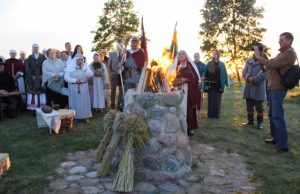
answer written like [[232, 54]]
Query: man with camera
[[255, 77], [278, 65]]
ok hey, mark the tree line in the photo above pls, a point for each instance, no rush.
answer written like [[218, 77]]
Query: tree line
[[231, 26]]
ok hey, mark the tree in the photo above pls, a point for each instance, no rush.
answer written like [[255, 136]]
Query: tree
[[118, 21], [231, 26]]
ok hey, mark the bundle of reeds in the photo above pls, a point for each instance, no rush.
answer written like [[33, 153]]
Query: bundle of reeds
[[135, 130], [108, 121], [112, 147], [123, 181]]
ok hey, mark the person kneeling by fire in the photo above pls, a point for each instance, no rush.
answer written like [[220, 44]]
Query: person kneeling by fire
[[187, 80]]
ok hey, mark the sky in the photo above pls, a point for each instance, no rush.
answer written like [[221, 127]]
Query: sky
[[51, 23]]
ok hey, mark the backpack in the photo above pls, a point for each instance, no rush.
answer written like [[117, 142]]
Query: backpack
[[291, 77]]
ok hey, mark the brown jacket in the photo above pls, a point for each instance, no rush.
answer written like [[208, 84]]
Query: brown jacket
[[282, 62]]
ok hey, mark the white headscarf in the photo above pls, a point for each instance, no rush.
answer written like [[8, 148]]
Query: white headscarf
[[71, 64], [172, 69]]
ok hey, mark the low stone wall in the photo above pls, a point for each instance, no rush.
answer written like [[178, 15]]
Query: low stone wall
[[168, 154]]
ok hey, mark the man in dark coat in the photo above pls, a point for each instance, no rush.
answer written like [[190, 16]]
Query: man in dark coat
[[255, 77], [33, 71], [7, 87]]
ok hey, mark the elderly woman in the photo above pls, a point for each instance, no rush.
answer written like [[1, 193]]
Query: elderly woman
[[53, 79], [77, 75], [187, 79], [100, 80], [215, 75]]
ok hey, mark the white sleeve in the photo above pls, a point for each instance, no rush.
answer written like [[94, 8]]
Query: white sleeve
[[68, 78], [88, 72]]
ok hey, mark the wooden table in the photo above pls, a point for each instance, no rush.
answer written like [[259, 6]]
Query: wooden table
[[4, 163]]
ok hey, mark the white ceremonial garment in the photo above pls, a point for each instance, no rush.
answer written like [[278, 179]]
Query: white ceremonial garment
[[79, 96]]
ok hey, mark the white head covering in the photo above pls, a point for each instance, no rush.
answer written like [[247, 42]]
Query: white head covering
[[22, 52], [172, 69], [71, 65], [12, 51], [35, 45]]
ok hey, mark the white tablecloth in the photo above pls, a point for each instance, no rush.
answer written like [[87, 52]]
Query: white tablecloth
[[50, 120]]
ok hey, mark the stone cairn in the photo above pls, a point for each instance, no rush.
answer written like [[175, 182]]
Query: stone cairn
[[167, 154]]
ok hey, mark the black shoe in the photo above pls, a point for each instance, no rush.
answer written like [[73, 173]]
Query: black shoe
[[259, 126], [282, 149], [247, 124], [270, 141]]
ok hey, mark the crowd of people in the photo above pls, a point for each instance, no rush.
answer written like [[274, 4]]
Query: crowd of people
[[66, 79]]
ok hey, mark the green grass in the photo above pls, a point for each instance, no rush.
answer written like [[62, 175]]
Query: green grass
[[35, 154], [272, 172]]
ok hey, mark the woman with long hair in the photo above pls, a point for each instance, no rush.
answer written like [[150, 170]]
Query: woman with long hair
[[215, 75]]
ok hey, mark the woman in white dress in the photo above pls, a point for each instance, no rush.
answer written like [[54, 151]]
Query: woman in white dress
[[100, 80], [77, 75]]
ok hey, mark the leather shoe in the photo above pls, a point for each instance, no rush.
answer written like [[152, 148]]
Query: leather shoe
[[282, 149], [247, 124], [270, 141]]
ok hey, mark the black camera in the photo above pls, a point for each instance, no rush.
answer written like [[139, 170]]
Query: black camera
[[260, 47]]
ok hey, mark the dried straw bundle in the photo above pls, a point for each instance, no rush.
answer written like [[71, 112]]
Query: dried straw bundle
[[108, 121], [112, 147], [123, 181]]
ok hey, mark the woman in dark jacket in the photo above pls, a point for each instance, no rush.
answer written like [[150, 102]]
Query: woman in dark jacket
[[216, 76]]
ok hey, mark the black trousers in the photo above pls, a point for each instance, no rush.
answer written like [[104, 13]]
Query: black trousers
[[13, 104], [258, 105]]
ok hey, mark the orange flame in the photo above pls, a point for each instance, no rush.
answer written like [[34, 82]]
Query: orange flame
[[163, 64]]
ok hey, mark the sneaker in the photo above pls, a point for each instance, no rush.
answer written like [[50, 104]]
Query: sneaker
[[259, 126], [270, 141]]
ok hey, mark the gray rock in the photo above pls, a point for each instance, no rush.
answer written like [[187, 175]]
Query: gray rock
[[109, 192], [183, 183], [59, 184], [106, 179], [160, 176], [173, 124], [78, 170], [182, 140], [86, 162], [188, 156], [151, 163], [171, 165], [139, 112], [108, 186], [215, 180], [72, 191], [183, 124], [74, 177], [74, 185], [180, 155], [193, 178], [171, 99], [92, 190], [145, 99], [152, 147], [88, 182], [67, 164], [183, 170], [167, 153], [158, 111], [195, 189], [91, 174], [167, 139], [173, 109], [154, 127], [144, 187], [97, 166], [60, 171], [213, 171], [168, 187]]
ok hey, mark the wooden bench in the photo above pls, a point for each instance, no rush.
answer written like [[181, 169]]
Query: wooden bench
[[4, 163]]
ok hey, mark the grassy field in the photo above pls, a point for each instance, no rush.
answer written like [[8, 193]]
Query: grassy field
[[35, 154], [272, 172]]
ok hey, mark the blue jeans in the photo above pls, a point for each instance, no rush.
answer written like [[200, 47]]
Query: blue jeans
[[276, 116]]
